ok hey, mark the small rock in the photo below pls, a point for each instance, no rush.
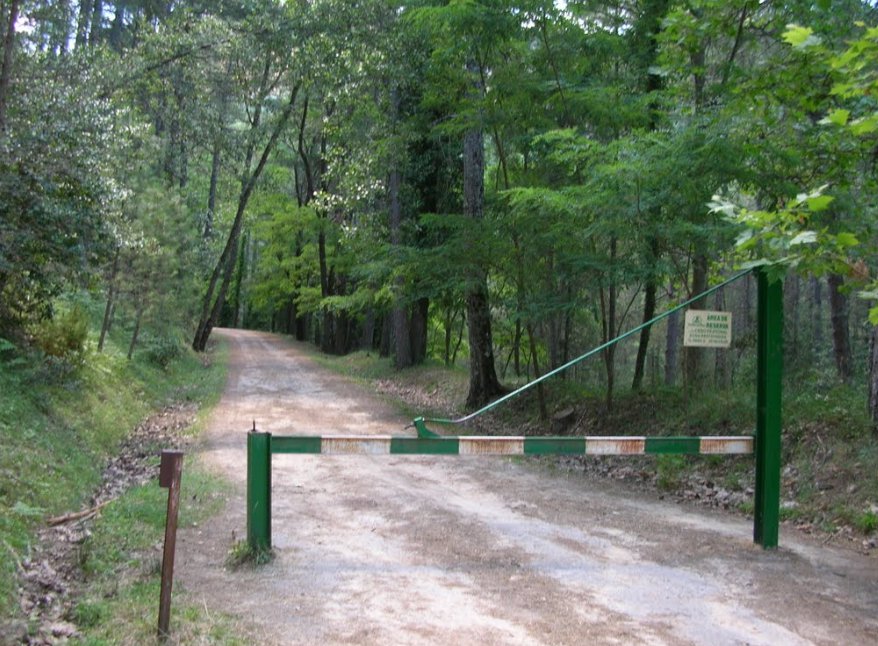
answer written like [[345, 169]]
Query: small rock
[[62, 629], [13, 631]]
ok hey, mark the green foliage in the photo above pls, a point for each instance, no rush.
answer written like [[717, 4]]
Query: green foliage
[[55, 436], [163, 350], [55, 184], [785, 237], [64, 335], [818, 232]]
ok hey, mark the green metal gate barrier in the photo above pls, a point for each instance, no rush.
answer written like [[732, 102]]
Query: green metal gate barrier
[[766, 444]]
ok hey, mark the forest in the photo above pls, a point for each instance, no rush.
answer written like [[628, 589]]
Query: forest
[[444, 200], [494, 184]]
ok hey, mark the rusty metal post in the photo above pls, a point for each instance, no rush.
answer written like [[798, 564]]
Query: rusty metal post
[[169, 477]]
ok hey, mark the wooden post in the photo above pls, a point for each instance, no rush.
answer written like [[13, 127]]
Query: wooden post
[[169, 477]]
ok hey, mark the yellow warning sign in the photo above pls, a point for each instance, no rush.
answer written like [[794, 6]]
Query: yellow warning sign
[[706, 329]]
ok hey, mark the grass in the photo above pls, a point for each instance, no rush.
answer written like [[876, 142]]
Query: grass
[[242, 555], [59, 424], [122, 564]]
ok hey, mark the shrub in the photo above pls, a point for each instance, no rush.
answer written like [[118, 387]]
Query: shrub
[[64, 335], [163, 350]]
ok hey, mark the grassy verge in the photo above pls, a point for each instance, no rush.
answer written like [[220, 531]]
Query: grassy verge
[[121, 561], [59, 424]]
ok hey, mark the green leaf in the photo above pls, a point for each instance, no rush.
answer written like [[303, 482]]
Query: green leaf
[[865, 126], [846, 239], [839, 117], [805, 237], [800, 37], [873, 315], [818, 203]]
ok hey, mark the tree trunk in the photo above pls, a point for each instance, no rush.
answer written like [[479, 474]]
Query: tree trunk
[[791, 307], [816, 317], [402, 355], [111, 298], [226, 263], [541, 393], [367, 338], [211, 191], [6, 67], [694, 357], [646, 30], [873, 380], [239, 279], [97, 19], [386, 334], [117, 26], [483, 382], [137, 320], [83, 23], [420, 316], [841, 339], [721, 365], [672, 338], [608, 327], [649, 303]]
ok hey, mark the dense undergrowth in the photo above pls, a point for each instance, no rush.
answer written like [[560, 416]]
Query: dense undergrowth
[[830, 456], [61, 419]]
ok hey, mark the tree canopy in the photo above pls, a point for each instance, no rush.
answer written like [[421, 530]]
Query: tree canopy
[[388, 176]]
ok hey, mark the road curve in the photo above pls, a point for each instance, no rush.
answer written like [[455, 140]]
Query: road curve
[[484, 550]]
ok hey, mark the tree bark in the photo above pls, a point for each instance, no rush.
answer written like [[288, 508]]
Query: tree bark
[[873, 380], [483, 382], [402, 355], [672, 338], [136, 333], [111, 300], [367, 338], [694, 357], [541, 393], [649, 304], [420, 316], [791, 306], [841, 339], [608, 328], [83, 22], [721, 364], [6, 68], [816, 317], [97, 18]]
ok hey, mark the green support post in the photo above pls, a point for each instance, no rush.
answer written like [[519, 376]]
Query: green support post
[[769, 368], [259, 491]]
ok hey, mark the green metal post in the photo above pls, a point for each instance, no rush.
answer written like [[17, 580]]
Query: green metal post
[[259, 491], [769, 367]]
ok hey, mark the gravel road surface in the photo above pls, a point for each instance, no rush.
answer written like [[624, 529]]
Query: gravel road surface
[[484, 550]]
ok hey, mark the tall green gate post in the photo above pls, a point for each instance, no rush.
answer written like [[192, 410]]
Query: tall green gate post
[[769, 371], [258, 490]]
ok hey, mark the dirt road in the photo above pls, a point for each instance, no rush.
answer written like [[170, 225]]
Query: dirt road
[[484, 550]]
